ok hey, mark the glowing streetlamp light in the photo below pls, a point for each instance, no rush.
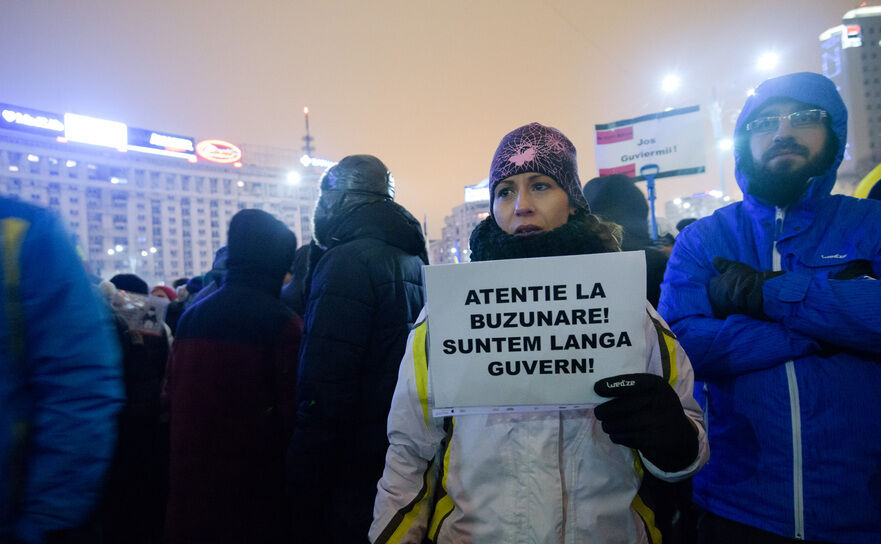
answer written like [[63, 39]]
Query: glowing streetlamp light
[[293, 177], [671, 83], [767, 61], [725, 144]]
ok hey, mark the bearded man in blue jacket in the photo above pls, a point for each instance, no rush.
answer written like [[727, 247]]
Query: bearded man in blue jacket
[[777, 302]]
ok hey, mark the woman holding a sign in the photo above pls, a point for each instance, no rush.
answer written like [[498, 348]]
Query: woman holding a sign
[[538, 475]]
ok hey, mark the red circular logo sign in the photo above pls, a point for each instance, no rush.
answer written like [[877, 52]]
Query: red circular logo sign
[[218, 151]]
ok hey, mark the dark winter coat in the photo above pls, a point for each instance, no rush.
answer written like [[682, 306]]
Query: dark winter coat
[[363, 294], [231, 383]]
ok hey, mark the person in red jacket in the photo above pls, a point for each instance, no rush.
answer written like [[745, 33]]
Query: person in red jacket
[[231, 386]]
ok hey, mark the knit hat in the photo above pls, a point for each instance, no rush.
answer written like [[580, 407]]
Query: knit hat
[[194, 285], [130, 283], [540, 149], [170, 293]]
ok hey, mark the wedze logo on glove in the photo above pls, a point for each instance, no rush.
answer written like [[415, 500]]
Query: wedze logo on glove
[[621, 383]]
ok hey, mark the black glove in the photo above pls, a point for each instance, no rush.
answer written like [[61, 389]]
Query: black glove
[[645, 414], [738, 289], [856, 269]]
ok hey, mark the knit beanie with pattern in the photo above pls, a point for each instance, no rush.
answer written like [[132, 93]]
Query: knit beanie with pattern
[[540, 149]]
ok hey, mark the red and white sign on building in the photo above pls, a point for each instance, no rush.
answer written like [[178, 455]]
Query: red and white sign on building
[[219, 151]]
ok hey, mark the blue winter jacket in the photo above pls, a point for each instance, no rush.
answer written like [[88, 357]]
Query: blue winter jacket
[[60, 379], [793, 410]]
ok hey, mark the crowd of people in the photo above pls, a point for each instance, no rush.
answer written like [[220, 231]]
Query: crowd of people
[[285, 396]]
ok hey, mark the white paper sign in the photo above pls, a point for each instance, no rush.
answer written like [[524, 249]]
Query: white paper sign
[[533, 334], [673, 140]]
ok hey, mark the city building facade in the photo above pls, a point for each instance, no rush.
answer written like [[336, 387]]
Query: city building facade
[[695, 206], [454, 247], [147, 202], [851, 55]]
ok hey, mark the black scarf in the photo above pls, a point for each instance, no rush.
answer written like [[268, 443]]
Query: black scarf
[[576, 237]]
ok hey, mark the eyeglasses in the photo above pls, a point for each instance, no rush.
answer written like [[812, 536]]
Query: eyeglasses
[[798, 119]]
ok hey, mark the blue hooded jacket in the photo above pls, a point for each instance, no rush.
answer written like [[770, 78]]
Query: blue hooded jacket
[[60, 379], [791, 404]]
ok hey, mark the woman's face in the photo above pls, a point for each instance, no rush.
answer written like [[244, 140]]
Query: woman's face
[[530, 203], [157, 292]]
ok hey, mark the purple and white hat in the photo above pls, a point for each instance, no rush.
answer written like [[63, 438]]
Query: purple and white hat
[[544, 150]]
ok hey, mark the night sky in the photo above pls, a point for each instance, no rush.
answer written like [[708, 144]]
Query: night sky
[[430, 87]]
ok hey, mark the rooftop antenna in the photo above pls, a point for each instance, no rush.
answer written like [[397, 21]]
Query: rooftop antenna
[[308, 149]]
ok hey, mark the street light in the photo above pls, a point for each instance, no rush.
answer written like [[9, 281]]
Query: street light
[[671, 83], [767, 61], [725, 144], [293, 177]]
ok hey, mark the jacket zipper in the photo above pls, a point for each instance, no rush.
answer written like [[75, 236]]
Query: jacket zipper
[[794, 405]]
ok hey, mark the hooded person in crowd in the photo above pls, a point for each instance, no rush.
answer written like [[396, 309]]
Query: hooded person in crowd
[[776, 300], [550, 476], [616, 198], [231, 383], [363, 292]]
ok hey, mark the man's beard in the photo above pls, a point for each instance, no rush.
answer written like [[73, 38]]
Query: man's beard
[[783, 184]]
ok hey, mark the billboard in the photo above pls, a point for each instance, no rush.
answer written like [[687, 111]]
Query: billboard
[[161, 143], [32, 121], [219, 151], [91, 130]]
